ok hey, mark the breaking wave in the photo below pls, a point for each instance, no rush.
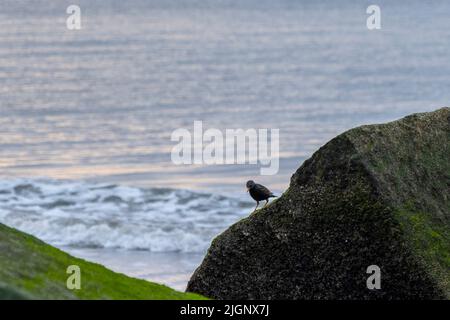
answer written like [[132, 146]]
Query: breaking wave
[[83, 214]]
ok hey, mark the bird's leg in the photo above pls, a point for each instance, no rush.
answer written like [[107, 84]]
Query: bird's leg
[[257, 204], [267, 201]]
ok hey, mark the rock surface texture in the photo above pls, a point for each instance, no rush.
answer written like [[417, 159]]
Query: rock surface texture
[[374, 195]]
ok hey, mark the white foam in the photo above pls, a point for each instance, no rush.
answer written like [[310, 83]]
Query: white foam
[[81, 214]]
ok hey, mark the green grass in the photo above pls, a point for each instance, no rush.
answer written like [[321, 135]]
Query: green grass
[[32, 269]]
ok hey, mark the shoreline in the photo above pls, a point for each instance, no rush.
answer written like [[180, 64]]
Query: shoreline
[[172, 269]]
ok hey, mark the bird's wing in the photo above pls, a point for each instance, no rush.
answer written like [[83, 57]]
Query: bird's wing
[[263, 190]]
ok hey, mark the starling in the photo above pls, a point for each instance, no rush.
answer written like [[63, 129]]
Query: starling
[[258, 192]]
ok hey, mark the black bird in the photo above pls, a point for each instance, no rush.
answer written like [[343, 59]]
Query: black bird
[[258, 192]]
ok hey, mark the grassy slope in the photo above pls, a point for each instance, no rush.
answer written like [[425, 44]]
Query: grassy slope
[[30, 268]]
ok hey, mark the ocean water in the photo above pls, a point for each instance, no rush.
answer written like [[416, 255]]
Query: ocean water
[[97, 215], [86, 116]]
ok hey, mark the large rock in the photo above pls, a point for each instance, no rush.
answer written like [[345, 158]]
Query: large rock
[[374, 195]]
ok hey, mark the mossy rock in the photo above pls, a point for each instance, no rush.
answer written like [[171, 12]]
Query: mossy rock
[[374, 195], [32, 269]]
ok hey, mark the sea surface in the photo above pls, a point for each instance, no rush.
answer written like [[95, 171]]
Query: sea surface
[[86, 116]]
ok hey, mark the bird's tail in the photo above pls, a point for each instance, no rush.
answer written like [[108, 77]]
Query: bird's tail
[[273, 196]]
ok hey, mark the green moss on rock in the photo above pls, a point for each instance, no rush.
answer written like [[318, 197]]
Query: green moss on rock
[[374, 195], [32, 269]]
